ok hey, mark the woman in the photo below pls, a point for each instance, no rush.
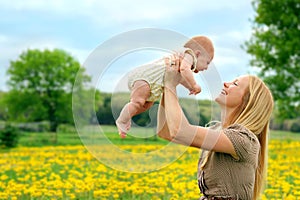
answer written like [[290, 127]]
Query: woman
[[233, 161]]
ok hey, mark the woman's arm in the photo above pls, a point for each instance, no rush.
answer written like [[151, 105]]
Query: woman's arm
[[162, 126], [174, 126], [180, 130]]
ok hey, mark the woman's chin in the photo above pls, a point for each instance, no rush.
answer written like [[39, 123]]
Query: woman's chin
[[220, 99]]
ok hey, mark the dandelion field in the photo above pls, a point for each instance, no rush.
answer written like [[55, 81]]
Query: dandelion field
[[71, 172]]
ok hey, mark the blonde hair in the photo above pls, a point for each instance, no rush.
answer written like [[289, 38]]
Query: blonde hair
[[202, 43], [255, 113]]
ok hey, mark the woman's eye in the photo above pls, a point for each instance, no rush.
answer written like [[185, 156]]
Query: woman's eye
[[235, 83]]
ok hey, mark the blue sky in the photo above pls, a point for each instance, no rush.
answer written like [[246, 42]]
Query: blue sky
[[79, 27]]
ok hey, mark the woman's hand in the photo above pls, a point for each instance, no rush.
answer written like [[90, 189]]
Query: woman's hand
[[172, 75]]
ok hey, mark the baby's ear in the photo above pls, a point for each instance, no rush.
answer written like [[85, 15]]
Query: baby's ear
[[197, 53]]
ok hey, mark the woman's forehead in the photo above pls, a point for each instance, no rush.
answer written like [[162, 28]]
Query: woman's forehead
[[243, 80]]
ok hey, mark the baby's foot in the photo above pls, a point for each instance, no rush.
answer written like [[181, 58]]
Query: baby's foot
[[123, 128]]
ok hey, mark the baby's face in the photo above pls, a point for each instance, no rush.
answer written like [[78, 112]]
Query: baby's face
[[202, 62]]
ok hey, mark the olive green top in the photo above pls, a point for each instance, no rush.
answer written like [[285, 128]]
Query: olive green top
[[224, 175]]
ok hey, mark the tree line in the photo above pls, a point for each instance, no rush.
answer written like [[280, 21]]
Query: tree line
[[41, 82]]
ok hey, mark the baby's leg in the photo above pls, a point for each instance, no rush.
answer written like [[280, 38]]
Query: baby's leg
[[138, 104]]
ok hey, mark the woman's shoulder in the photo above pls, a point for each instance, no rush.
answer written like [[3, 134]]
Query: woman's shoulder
[[243, 130], [234, 130], [245, 142]]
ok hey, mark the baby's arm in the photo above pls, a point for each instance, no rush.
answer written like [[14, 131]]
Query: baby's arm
[[188, 79]]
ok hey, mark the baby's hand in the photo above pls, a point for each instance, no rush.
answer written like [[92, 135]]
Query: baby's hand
[[195, 90]]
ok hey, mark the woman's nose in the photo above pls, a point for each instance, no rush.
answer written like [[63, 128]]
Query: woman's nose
[[226, 85]]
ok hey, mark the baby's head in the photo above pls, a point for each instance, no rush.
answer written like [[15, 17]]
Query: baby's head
[[203, 49]]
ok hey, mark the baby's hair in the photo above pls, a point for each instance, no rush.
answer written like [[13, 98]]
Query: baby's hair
[[201, 43]]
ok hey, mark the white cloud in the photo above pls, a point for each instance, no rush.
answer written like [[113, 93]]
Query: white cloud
[[124, 11], [14, 46], [101, 13], [3, 39], [228, 49]]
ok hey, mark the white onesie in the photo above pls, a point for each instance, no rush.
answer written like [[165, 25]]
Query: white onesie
[[153, 73]]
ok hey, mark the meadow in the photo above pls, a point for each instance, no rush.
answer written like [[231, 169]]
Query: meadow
[[41, 169]]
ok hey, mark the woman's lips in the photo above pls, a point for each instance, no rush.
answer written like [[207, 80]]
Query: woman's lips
[[224, 92]]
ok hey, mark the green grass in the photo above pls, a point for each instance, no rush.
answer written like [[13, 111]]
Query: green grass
[[47, 138], [284, 135], [109, 133], [136, 136]]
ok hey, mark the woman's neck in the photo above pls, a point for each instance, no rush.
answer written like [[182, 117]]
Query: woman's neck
[[225, 114]]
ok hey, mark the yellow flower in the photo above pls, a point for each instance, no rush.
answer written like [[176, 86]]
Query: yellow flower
[[73, 173]]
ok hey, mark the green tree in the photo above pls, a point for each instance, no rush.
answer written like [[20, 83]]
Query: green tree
[[104, 113], [3, 106], [275, 48], [41, 86], [9, 136]]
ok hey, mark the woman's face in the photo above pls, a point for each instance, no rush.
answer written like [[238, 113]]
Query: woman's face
[[232, 93]]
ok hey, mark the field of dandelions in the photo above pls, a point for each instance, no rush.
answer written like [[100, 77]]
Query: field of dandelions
[[71, 172]]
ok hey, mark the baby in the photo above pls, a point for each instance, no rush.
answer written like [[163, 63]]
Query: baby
[[147, 81]]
